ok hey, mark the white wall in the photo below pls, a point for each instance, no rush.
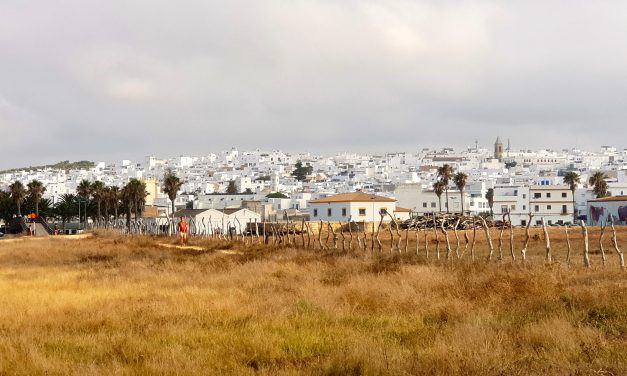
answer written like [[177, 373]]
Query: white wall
[[372, 210]]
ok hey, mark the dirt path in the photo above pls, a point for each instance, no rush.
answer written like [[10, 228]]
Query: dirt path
[[52, 237], [197, 248]]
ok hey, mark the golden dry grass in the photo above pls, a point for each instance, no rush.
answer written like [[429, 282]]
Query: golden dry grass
[[126, 305]]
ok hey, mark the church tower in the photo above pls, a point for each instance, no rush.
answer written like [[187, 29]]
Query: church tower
[[498, 149]]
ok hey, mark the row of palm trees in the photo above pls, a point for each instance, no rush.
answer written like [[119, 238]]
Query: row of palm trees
[[131, 198], [33, 191], [446, 174]]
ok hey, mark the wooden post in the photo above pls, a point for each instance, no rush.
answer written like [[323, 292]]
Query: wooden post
[[448, 243], [457, 237], [547, 242], [407, 239], [320, 236], [372, 239], [302, 232], [309, 245], [391, 236], [426, 234], [621, 259], [417, 241], [350, 232], [474, 238], [568, 244], [332, 232], [488, 237], [501, 238], [343, 237], [586, 248], [265, 237], [511, 236], [437, 241], [378, 240], [523, 251], [601, 242]]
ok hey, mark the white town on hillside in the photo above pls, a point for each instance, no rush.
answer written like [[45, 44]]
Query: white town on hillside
[[523, 182]]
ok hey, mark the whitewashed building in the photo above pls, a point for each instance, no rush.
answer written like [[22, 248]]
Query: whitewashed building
[[356, 206]]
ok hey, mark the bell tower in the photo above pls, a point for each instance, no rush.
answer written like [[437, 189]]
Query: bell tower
[[498, 149]]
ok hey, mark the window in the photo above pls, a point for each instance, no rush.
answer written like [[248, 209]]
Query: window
[[329, 212], [550, 222], [564, 209], [513, 207], [537, 195], [548, 195], [537, 208], [503, 208], [343, 212], [424, 204], [564, 194], [538, 223], [523, 222], [315, 212], [524, 207], [548, 207], [383, 211], [362, 212], [524, 195], [433, 204]]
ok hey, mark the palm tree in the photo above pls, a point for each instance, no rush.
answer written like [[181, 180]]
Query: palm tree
[[114, 200], [598, 183], [135, 195], [572, 179], [84, 191], [438, 189], [171, 186], [36, 189], [18, 194], [446, 173], [460, 180], [98, 192], [490, 197], [66, 207]]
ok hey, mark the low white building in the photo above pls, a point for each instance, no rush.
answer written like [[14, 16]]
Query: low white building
[[356, 206], [211, 221]]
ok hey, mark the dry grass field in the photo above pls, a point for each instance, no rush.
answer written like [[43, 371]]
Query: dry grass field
[[128, 305]]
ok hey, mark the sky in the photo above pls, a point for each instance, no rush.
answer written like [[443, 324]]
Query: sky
[[119, 79]]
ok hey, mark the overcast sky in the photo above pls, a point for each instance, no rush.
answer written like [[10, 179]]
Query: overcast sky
[[106, 80]]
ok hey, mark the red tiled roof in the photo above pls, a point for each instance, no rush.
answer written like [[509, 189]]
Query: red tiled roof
[[352, 197]]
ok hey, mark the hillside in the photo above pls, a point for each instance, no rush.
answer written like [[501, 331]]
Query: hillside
[[63, 165]]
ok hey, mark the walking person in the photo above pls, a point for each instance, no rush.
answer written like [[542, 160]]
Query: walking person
[[183, 228]]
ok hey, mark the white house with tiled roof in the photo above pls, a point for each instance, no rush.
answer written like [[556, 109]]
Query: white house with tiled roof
[[356, 206]]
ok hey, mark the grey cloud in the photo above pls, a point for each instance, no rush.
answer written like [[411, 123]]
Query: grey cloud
[[118, 79]]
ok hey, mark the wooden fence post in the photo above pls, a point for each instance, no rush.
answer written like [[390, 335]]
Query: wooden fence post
[[586, 249], [511, 237], [474, 238], [549, 257], [621, 259], [437, 240], [523, 251], [448, 243], [488, 237], [601, 242], [457, 237], [501, 238], [568, 244]]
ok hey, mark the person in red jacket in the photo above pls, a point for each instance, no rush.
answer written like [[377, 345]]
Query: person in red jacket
[[183, 228]]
